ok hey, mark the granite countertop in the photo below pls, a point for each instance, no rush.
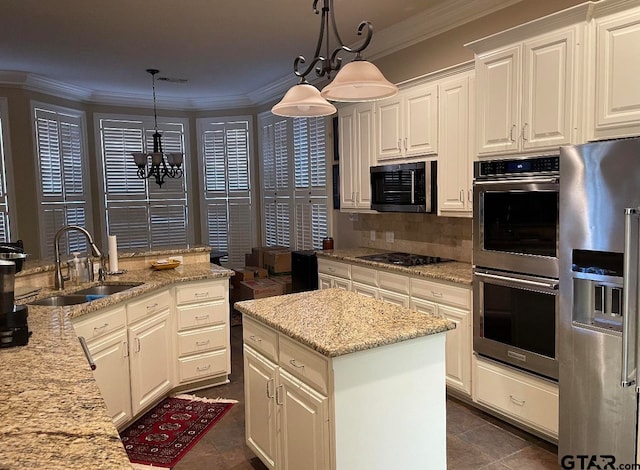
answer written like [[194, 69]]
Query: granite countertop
[[54, 416], [335, 322], [452, 271]]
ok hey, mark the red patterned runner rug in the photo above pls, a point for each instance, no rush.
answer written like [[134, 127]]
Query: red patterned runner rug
[[163, 435]]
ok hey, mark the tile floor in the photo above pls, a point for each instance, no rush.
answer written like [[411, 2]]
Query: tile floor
[[475, 440]]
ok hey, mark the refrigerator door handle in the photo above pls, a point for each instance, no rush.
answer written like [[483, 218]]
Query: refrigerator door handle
[[630, 296]]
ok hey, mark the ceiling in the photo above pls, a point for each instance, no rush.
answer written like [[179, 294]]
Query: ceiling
[[233, 53]]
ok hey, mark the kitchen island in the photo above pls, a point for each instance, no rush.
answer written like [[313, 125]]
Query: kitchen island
[[336, 380], [54, 415]]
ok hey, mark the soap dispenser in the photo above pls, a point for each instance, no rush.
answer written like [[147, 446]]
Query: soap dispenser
[[75, 269]]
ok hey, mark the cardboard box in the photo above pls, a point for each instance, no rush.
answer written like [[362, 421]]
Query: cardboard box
[[285, 280], [256, 257], [259, 288], [247, 273], [278, 261]]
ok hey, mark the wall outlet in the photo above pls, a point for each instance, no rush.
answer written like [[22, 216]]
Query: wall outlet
[[372, 234], [389, 236], [177, 258]]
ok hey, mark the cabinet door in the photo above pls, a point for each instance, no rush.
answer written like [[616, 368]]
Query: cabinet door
[[344, 284], [304, 425], [497, 98], [260, 406], [365, 153], [348, 181], [458, 349], [617, 70], [394, 298], [364, 289], [151, 360], [454, 160], [389, 128], [324, 281], [547, 90], [111, 356], [421, 121]]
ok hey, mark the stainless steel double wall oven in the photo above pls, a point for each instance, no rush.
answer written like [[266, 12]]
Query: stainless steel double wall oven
[[515, 258]]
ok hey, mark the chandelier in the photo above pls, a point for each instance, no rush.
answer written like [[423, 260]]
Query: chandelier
[[358, 80], [163, 165]]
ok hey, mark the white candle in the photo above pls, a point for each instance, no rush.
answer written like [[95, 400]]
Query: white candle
[[113, 254]]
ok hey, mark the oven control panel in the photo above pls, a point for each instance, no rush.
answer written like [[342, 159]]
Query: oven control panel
[[509, 167]]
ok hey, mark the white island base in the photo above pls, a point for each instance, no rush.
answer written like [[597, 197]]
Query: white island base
[[389, 406]]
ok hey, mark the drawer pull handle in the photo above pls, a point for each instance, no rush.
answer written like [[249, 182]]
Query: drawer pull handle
[[203, 368], [257, 339], [203, 317], [270, 393], [295, 364], [436, 293], [151, 307], [201, 294], [125, 349], [138, 347], [515, 401], [99, 329], [202, 343]]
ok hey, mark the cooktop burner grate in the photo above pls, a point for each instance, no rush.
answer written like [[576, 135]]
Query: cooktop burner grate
[[404, 259]]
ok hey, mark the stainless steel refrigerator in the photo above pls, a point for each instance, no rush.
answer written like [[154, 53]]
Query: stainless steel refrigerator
[[598, 325]]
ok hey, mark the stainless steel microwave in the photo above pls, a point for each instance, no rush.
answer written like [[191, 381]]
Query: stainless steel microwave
[[404, 187]]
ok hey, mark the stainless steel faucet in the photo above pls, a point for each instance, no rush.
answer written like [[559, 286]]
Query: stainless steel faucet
[[95, 251]]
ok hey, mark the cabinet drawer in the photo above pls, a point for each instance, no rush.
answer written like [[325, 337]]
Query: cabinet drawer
[[98, 324], [533, 401], [260, 338], [441, 293], [148, 306], [393, 282], [301, 362], [202, 365], [202, 315], [202, 340], [364, 275], [201, 292], [335, 269]]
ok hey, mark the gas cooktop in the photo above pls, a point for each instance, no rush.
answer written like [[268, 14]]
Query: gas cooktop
[[404, 259]]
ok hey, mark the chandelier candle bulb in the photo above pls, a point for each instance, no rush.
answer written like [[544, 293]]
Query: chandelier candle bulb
[[113, 254]]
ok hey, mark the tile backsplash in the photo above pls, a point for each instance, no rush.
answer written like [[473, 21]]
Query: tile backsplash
[[424, 234]]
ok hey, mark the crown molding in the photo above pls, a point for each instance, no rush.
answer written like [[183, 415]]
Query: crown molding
[[41, 84]]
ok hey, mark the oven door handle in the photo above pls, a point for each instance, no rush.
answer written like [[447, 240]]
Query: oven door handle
[[551, 180], [413, 186], [497, 277]]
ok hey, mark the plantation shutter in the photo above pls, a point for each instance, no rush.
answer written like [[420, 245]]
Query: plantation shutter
[[138, 211], [5, 226], [61, 161], [228, 205]]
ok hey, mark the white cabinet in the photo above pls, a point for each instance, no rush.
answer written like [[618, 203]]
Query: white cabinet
[[523, 397], [453, 302], [106, 336], [151, 354], [356, 156], [617, 68], [455, 137], [286, 401], [202, 336], [525, 93], [333, 274], [407, 124]]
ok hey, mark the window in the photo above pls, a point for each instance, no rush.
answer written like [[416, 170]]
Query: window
[[62, 163], [295, 199], [6, 226], [227, 208], [140, 213]]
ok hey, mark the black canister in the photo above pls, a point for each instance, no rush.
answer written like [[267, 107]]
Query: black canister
[[7, 283]]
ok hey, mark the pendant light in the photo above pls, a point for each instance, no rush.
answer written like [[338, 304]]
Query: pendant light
[[162, 165], [359, 80]]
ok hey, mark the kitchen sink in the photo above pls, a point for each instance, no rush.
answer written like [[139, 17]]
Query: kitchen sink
[[61, 300], [105, 289]]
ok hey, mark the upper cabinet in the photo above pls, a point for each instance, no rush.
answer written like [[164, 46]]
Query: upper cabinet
[[407, 124], [355, 127], [527, 84], [616, 74]]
